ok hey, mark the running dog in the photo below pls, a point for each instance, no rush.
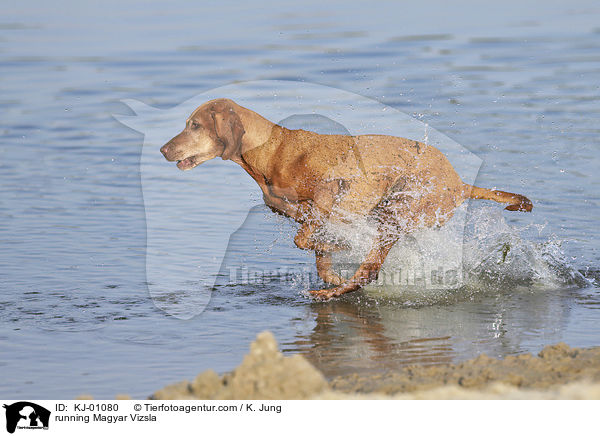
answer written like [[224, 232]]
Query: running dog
[[313, 178]]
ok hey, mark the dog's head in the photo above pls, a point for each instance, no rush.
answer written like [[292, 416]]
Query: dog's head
[[214, 129]]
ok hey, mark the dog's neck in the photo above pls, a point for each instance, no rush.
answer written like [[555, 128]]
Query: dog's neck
[[257, 142]]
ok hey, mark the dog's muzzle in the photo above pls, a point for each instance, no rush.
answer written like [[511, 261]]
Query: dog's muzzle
[[165, 150]]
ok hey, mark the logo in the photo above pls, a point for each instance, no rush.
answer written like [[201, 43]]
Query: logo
[[26, 415]]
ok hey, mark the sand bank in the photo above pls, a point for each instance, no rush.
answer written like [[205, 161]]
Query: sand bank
[[557, 372]]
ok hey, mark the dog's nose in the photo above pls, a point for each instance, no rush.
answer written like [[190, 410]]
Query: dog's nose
[[165, 149]]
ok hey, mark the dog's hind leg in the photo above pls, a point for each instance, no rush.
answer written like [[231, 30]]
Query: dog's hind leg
[[394, 218]]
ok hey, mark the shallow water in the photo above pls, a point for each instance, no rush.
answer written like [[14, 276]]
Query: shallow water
[[516, 85]]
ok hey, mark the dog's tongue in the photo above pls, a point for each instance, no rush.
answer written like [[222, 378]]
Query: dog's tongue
[[185, 164]]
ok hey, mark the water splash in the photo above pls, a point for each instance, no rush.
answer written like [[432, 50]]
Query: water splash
[[477, 251], [498, 257]]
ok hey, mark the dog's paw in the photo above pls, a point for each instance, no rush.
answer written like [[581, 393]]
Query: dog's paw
[[324, 294], [331, 278]]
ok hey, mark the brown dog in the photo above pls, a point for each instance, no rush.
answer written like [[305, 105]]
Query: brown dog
[[314, 178]]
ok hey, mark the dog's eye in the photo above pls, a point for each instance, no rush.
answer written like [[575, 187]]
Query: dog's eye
[[195, 125]]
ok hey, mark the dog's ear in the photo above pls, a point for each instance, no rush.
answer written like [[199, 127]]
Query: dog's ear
[[228, 128]]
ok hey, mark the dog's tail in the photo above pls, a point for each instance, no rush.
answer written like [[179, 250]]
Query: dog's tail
[[515, 201]]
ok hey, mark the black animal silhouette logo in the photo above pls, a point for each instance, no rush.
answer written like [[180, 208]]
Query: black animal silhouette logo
[[26, 415]]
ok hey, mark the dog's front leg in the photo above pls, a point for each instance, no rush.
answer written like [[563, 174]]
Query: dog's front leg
[[279, 205], [315, 215], [366, 273], [305, 240], [298, 211], [325, 269]]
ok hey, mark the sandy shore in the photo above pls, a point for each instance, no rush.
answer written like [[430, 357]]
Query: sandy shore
[[557, 372]]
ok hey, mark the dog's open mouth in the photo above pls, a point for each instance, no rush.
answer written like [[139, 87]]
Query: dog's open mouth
[[187, 163]]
